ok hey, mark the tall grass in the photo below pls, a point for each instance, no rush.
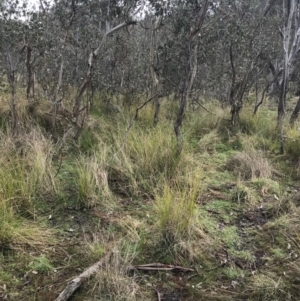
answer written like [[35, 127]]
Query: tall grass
[[26, 174], [90, 179], [292, 145], [148, 157]]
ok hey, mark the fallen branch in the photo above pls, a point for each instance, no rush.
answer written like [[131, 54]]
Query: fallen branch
[[76, 282], [160, 267]]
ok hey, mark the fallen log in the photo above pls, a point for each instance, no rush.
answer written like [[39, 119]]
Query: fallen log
[[74, 284]]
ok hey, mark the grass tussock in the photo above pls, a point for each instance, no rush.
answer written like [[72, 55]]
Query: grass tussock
[[250, 165], [269, 286], [201, 123], [91, 181], [148, 157], [176, 212], [26, 176]]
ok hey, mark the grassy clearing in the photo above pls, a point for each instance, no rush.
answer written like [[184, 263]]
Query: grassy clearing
[[227, 206]]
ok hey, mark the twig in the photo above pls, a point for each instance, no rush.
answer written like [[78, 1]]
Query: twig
[[160, 267]]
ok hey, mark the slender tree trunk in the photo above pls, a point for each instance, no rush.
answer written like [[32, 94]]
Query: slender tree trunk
[[183, 102], [281, 114], [194, 70], [188, 75], [13, 104], [153, 65], [30, 74]]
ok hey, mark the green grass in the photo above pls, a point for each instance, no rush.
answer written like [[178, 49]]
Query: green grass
[[226, 201], [41, 264]]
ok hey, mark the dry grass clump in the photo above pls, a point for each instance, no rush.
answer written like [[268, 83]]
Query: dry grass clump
[[250, 165], [208, 142], [26, 167]]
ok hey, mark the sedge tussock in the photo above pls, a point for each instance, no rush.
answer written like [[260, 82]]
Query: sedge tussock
[[176, 213]]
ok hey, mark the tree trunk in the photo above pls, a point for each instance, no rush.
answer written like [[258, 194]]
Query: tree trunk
[[30, 74], [153, 66], [288, 58], [194, 70], [188, 75], [281, 115], [235, 113], [13, 105]]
